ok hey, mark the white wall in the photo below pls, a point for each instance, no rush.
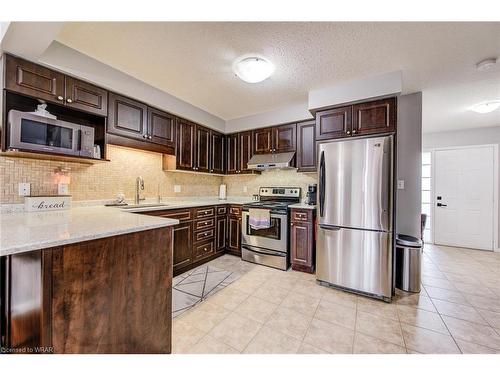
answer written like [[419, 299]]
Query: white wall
[[469, 137], [409, 164]]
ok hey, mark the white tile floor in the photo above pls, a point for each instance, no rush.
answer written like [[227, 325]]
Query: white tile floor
[[271, 311]]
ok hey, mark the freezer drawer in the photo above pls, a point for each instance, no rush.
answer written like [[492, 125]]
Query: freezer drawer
[[358, 260]]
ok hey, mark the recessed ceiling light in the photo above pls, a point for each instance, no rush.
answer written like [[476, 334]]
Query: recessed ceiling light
[[253, 69], [485, 65], [486, 107]]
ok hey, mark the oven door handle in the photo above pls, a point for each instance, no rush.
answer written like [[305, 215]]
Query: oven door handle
[[263, 252]]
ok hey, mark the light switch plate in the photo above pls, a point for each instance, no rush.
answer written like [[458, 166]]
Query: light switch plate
[[62, 189], [24, 189], [177, 188], [401, 184]]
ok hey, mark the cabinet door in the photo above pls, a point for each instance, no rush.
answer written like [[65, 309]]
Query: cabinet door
[[161, 127], [185, 145], [127, 117], [378, 116], [86, 97], [221, 233], [233, 163], [246, 151], [202, 149], [301, 246], [34, 80], [263, 141], [334, 123], [234, 234], [183, 245], [285, 138], [218, 153], [306, 146]]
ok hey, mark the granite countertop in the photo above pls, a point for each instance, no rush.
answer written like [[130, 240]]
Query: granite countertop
[[26, 231], [174, 203], [303, 206]]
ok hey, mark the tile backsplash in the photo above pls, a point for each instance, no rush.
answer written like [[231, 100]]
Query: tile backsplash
[[104, 181]]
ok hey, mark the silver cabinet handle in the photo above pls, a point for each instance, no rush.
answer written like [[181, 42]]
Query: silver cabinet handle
[[348, 132], [149, 137], [354, 131], [69, 100], [145, 136], [60, 98]]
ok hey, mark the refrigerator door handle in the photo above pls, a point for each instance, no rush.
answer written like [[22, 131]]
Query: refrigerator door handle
[[328, 227], [322, 184]]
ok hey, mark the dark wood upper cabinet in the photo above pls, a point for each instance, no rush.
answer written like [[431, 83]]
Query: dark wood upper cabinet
[[127, 117], [284, 138], [185, 144], [306, 146], [246, 151], [333, 123], [33, 80], [202, 149], [232, 148], [86, 97], [161, 127], [373, 117], [263, 141], [218, 153]]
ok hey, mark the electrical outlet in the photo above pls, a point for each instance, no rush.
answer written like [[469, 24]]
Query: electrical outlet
[[401, 184], [245, 189], [24, 189], [62, 189], [177, 188]]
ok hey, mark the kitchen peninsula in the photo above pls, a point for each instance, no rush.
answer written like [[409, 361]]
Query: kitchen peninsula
[[86, 280]]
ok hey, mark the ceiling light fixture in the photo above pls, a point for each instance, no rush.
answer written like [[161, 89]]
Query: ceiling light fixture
[[253, 69], [486, 107], [485, 65]]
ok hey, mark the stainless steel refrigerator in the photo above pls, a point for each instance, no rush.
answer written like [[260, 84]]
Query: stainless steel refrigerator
[[354, 247]]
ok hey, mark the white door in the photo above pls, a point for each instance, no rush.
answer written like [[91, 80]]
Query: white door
[[464, 198]]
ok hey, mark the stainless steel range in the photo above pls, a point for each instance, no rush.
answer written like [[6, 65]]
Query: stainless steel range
[[269, 246]]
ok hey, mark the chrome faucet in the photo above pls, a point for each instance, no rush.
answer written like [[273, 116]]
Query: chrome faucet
[[139, 185]]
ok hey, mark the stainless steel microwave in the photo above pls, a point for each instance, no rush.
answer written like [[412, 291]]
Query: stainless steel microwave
[[31, 132]]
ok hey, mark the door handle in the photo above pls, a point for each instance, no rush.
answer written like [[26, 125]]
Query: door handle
[[322, 184], [329, 227], [442, 205]]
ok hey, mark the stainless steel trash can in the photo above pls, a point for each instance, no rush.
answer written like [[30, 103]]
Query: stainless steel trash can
[[408, 263]]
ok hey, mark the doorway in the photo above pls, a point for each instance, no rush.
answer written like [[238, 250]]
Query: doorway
[[464, 197]]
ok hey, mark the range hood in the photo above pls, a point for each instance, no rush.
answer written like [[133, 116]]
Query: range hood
[[271, 161]]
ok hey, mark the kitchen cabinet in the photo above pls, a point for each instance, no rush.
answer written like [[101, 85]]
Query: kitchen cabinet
[[86, 97], [239, 150], [127, 117], [182, 238], [378, 116], [284, 138], [333, 123], [234, 230], [185, 145], [161, 127], [276, 139], [302, 242], [37, 81], [372, 117], [263, 141], [202, 149], [221, 229], [218, 153], [306, 146]]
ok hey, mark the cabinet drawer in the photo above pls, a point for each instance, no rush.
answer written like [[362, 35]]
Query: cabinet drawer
[[235, 210], [204, 224], [204, 250], [302, 215], [203, 212], [182, 215], [221, 210], [204, 235]]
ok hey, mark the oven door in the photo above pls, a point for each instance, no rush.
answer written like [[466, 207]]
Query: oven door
[[273, 238], [36, 133]]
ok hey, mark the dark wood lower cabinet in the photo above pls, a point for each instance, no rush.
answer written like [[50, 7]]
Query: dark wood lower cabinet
[[234, 235], [221, 233], [302, 241], [111, 295], [183, 244]]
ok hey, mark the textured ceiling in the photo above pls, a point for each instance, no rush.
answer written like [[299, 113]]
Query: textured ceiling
[[193, 61]]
